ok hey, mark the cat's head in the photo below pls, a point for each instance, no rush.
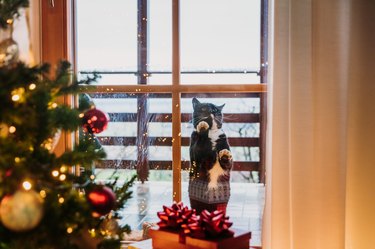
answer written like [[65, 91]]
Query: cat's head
[[208, 112]]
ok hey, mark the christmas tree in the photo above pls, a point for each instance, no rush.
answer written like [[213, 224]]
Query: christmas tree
[[49, 200]]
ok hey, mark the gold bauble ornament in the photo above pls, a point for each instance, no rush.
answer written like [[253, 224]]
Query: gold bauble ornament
[[9, 52], [21, 211], [110, 227]]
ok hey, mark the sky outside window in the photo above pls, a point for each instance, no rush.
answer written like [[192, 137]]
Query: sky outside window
[[215, 35]]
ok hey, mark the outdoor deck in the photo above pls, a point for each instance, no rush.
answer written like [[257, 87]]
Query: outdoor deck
[[245, 207]]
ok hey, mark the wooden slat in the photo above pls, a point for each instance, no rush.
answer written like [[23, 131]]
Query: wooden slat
[[168, 95], [230, 87], [167, 165], [185, 117], [122, 117], [167, 141], [117, 140]]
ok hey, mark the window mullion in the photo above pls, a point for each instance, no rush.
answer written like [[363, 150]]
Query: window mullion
[[263, 96], [176, 101], [142, 99]]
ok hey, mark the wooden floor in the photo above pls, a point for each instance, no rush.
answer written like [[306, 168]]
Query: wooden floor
[[245, 207]]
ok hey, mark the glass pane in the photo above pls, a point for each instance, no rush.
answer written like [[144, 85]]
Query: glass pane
[[127, 143], [107, 38], [241, 115], [220, 44], [220, 36], [220, 78], [160, 41]]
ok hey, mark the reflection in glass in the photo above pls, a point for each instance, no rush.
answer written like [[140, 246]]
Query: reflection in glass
[[128, 151]]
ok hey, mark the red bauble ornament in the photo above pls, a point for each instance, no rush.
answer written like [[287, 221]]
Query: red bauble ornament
[[95, 121], [102, 200]]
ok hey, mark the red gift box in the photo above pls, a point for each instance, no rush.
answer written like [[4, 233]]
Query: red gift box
[[164, 238]]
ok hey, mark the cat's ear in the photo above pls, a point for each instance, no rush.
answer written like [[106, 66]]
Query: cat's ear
[[220, 107], [195, 102]]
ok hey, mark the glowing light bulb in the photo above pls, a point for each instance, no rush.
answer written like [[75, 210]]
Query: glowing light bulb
[[69, 230], [43, 193], [26, 185], [12, 129], [92, 232], [32, 86], [62, 177], [16, 97], [63, 169], [61, 200], [55, 173], [17, 94]]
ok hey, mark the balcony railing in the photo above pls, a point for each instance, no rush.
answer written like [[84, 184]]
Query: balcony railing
[[245, 139]]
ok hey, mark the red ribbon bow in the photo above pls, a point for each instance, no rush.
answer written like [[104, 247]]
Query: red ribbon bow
[[210, 225], [207, 225], [175, 216]]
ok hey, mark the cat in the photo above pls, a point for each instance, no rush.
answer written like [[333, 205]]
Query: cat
[[210, 159]]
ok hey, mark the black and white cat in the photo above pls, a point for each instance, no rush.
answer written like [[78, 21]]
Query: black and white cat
[[210, 158]]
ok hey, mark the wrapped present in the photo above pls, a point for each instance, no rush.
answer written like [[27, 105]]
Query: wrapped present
[[164, 238], [181, 228]]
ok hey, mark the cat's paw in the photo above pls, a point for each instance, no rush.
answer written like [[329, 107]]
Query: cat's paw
[[202, 126], [225, 155], [225, 159]]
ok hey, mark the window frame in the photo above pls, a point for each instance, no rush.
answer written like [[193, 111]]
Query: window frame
[[58, 39]]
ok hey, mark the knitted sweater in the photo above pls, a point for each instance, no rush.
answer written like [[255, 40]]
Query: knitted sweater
[[198, 190]]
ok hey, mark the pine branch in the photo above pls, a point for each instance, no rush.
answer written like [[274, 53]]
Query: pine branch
[[31, 115]]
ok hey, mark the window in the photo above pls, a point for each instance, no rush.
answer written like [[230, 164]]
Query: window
[[153, 58], [131, 44]]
